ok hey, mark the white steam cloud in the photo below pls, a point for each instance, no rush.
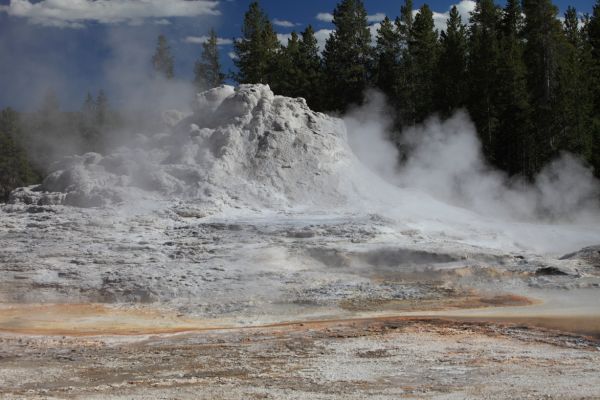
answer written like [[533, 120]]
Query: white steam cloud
[[444, 159]]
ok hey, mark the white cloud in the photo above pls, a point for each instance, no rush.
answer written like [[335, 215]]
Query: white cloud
[[328, 17], [376, 17], [464, 8], [75, 13], [439, 19], [283, 38], [204, 39], [162, 22], [284, 23], [232, 55], [322, 35], [374, 28], [325, 17]]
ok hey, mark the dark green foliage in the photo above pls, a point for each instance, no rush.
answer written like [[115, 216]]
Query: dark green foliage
[[513, 147], [405, 100], [544, 38], [592, 43], [451, 76], [15, 169], [207, 70], [257, 49], [423, 48], [348, 55], [572, 105], [483, 68], [162, 61], [287, 75], [387, 54], [311, 70], [298, 71]]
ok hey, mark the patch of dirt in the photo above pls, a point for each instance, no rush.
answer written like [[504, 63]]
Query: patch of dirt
[[437, 304]]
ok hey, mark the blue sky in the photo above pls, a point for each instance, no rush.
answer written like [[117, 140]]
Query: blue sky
[[82, 45]]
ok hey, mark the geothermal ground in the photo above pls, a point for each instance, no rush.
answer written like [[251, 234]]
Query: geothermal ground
[[255, 257], [164, 306]]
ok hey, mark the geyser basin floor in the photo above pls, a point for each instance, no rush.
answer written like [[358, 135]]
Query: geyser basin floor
[[580, 314], [384, 358]]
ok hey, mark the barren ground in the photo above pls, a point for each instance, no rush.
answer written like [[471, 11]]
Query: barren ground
[[97, 304]]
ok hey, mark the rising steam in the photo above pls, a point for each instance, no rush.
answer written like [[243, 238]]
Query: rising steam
[[444, 159]]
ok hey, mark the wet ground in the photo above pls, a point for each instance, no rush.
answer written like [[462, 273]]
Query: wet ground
[[97, 305], [381, 358]]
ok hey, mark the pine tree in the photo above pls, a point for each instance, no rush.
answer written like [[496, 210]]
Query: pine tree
[[162, 61], [287, 79], [572, 106], [513, 147], [592, 43], [543, 36], [404, 82], [424, 52], [15, 169], [207, 70], [257, 49], [451, 82], [483, 67], [311, 67], [347, 55], [387, 53]]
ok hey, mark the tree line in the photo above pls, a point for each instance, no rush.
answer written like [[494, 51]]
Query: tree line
[[529, 80]]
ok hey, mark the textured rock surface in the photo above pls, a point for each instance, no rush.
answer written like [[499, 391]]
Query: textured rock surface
[[245, 147]]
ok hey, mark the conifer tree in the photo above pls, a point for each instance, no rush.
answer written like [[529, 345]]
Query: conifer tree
[[451, 81], [15, 169], [543, 37], [483, 67], [311, 67], [347, 55], [424, 51], [404, 81], [572, 106], [387, 52], [592, 43], [287, 79], [257, 48], [513, 146], [207, 70], [163, 60]]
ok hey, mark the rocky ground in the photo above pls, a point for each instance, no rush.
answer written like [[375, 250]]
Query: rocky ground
[[369, 358], [104, 304]]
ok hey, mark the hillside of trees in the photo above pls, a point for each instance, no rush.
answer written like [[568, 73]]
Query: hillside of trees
[[529, 80]]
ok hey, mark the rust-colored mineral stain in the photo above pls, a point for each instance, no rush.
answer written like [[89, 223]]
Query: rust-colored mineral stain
[[584, 325], [105, 320], [93, 319]]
